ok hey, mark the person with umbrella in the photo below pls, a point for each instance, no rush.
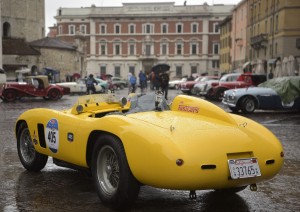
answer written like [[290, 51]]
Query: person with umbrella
[[164, 83], [157, 71]]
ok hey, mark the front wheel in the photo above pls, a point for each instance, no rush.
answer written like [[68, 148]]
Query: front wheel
[[248, 105], [115, 184], [30, 159], [54, 94]]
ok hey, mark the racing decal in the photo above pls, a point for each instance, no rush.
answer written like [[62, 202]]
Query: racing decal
[[52, 135], [189, 109], [34, 138], [70, 137]]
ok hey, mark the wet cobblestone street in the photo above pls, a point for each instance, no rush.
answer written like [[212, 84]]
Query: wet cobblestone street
[[60, 189]]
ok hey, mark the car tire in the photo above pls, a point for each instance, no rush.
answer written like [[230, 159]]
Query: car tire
[[248, 104], [115, 184], [209, 94], [232, 190], [54, 94], [10, 95], [29, 157], [220, 94]]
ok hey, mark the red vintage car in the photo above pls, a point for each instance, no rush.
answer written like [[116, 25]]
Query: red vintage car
[[186, 87], [33, 86], [243, 81]]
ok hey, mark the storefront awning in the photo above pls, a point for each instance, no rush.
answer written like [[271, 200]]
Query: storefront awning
[[272, 61], [246, 64]]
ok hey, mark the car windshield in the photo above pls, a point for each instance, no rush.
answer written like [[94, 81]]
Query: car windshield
[[148, 102], [153, 101]]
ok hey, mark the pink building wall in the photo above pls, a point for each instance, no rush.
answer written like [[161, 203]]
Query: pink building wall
[[238, 35]]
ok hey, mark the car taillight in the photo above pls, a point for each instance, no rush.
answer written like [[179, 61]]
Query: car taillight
[[214, 84]]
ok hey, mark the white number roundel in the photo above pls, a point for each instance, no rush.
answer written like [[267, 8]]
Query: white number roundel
[[52, 135]]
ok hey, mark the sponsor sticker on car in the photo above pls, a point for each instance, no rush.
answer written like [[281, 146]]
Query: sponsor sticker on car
[[52, 135]]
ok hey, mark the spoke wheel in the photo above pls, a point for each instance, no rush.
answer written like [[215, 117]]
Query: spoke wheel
[[54, 94], [29, 157], [108, 172], [26, 147], [116, 186]]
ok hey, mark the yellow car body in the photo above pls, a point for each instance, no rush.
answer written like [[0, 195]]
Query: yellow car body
[[187, 147]]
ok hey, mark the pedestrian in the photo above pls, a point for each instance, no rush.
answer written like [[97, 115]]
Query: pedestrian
[[128, 81], [133, 83], [143, 80], [156, 81], [90, 84], [164, 83]]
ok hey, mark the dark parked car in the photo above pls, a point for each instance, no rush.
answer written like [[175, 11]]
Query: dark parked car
[[33, 86], [276, 94]]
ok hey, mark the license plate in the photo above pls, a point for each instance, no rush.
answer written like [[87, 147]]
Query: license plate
[[244, 168]]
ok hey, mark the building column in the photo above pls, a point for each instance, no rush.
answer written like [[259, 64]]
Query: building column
[[90, 60], [205, 43]]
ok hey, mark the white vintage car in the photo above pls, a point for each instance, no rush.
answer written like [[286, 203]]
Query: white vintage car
[[79, 87]]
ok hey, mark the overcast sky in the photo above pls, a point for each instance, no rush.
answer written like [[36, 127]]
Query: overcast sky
[[53, 5]]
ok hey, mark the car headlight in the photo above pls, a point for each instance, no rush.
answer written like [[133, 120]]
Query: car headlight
[[232, 96]]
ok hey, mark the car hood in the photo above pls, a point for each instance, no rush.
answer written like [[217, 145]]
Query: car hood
[[251, 90]]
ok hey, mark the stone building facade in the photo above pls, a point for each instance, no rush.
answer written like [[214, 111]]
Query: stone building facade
[[137, 36], [23, 19], [21, 22], [25, 46], [273, 34]]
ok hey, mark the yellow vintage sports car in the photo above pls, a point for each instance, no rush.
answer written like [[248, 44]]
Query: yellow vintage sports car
[[141, 140]]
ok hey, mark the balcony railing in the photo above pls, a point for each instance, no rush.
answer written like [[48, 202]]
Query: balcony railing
[[259, 41]]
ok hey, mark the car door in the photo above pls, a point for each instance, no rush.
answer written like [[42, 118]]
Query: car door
[[269, 101]]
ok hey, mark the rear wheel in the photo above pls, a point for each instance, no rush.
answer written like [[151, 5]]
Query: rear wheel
[[248, 104], [54, 94], [30, 159], [10, 95], [115, 184]]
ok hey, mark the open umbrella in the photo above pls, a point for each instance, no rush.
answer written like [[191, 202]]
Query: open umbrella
[[160, 68]]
